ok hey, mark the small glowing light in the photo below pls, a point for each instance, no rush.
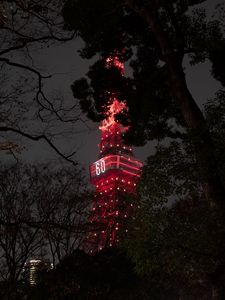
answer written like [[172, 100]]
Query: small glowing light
[[95, 234]]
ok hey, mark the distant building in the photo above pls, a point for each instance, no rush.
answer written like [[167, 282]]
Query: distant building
[[33, 268]]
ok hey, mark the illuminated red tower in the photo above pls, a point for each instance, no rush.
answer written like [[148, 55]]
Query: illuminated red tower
[[114, 174]]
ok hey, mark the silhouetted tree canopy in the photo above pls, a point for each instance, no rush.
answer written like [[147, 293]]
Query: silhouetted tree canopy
[[175, 231], [108, 275], [154, 37]]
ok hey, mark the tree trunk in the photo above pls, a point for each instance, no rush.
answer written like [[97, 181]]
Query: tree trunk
[[210, 180]]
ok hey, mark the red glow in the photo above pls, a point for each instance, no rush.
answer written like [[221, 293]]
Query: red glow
[[115, 62], [113, 108], [114, 175]]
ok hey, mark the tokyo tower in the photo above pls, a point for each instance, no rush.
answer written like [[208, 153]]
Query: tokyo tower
[[114, 174]]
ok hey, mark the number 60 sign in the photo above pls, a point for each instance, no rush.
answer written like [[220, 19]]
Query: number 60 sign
[[100, 166]]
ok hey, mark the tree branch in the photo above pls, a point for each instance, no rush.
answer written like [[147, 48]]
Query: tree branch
[[39, 92], [45, 223], [37, 138], [40, 77], [29, 40]]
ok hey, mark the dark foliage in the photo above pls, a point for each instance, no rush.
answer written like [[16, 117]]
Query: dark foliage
[[112, 28], [107, 275]]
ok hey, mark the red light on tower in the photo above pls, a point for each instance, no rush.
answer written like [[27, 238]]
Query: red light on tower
[[114, 175]]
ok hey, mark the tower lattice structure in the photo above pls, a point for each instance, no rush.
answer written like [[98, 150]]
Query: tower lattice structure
[[114, 174]]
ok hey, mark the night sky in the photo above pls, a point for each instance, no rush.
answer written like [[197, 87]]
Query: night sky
[[63, 61], [164, 236]]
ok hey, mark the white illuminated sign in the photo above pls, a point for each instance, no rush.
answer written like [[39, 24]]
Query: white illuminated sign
[[100, 167]]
